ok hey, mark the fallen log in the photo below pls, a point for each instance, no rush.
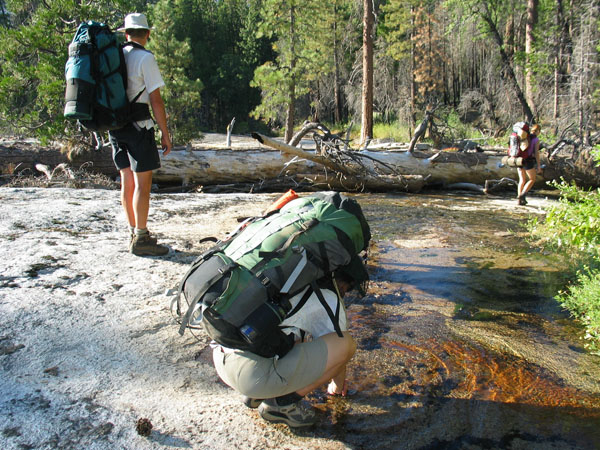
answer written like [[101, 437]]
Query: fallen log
[[441, 168], [386, 183], [226, 166], [295, 151], [23, 156], [211, 162], [352, 175]]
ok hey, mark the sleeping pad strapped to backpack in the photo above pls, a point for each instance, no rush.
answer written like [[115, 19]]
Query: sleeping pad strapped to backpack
[[96, 93], [240, 289]]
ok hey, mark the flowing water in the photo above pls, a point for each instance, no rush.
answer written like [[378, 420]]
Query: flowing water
[[460, 342]]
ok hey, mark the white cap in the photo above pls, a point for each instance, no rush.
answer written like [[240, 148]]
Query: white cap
[[135, 21]]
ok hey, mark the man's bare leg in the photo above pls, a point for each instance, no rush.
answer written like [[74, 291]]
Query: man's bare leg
[[141, 198], [127, 190]]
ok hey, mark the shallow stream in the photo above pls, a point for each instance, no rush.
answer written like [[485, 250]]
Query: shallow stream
[[460, 342]]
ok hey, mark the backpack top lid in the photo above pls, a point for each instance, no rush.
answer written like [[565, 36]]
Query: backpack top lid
[[87, 31], [520, 126], [351, 206], [360, 236]]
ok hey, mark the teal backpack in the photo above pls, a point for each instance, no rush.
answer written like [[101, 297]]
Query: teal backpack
[[96, 74], [239, 290]]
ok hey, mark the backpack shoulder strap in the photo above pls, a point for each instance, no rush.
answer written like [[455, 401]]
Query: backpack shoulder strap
[[301, 303], [335, 318], [135, 45], [139, 47]]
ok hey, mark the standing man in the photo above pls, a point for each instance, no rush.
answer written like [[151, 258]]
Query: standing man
[[134, 148]]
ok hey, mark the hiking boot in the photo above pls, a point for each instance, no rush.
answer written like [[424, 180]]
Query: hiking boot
[[521, 200], [146, 245], [294, 415], [132, 237], [251, 403]]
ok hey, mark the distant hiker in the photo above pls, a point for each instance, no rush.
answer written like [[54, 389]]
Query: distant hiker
[[134, 148], [529, 151]]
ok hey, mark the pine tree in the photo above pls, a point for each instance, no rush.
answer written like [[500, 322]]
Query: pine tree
[[291, 24], [366, 132], [428, 53], [181, 94]]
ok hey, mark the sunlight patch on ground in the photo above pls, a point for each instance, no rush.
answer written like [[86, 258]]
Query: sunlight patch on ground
[[424, 241]]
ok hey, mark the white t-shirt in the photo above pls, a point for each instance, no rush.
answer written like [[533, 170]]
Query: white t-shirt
[[312, 317], [142, 71]]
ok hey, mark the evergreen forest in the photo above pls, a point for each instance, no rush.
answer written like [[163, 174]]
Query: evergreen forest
[[273, 64]]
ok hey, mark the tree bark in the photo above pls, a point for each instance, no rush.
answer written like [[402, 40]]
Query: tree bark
[[420, 131], [532, 14], [337, 90], [366, 133], [413, 89], [291, 106], [306, 128]]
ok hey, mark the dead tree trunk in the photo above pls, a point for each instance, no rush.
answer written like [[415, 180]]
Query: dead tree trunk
[[420, 131]]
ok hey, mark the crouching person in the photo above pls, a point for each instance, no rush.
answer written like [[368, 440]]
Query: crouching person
[[277, 385]]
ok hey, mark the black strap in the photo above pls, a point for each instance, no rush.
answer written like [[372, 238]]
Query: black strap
[[301, 303], [135, 45], [335, 318], [135, 99], [345, 240], [138, 111], [324, 256]]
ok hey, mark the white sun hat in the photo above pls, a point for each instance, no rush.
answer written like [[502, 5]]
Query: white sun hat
[[135, 21]]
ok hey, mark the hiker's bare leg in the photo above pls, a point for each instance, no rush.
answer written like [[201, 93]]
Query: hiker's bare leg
[[521, 184], [531, 174], [127, 189], [141, 197], [339, 351]]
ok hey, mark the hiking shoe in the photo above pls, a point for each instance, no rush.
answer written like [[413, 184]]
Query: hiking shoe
[[251, 403], [295, 415], [151, 239], [521, 200], [146, 245]]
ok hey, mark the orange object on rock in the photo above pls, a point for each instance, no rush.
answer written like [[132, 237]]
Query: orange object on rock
[[285, 198]]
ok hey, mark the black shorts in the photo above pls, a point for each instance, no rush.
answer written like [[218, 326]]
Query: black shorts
[[135, 148], [529, 163]]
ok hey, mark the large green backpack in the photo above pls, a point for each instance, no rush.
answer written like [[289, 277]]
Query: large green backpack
[[96, 75], [239, 290]]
